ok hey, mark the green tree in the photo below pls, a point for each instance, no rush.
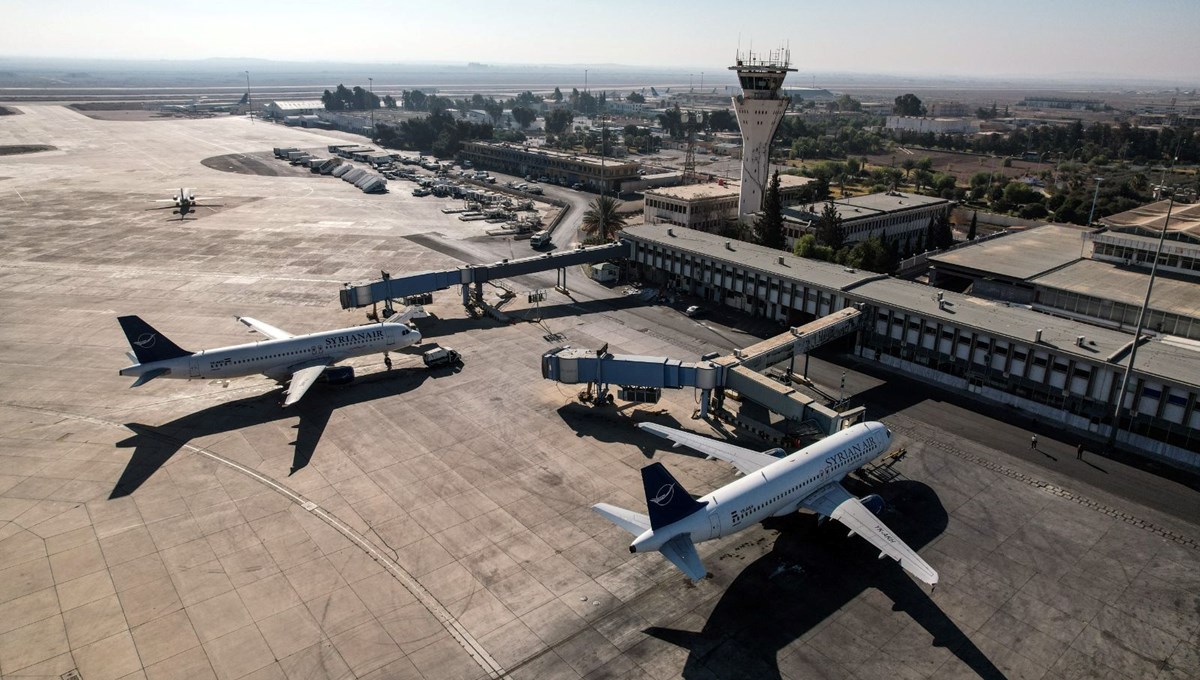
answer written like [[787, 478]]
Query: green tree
[[941, 235], [974, 225], [848, 103], [524, 116], [768, 230], [413, 100], [908, 164], [558, 121], [635, 98], [829, 227], [494, 109], [557, 96], [601, 219], [807, 246], [908, 105]]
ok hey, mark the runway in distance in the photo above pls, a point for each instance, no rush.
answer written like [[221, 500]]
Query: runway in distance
[[183, 203], [771, 486], [298, 360]]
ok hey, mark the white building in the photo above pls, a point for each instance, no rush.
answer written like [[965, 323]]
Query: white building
[[280, 109], [961, 126], [707, 206], [890, 216]]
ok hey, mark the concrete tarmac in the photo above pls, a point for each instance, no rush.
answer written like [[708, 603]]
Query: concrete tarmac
[[437, 524]]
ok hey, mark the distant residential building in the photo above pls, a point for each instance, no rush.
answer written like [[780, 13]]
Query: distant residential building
[[278, 109], [891, 216], [960, 126], [948, 109], [707, 206]]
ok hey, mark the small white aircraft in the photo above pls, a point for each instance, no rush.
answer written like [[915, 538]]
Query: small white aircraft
[[298, 360], [772, 486], [183, 203]]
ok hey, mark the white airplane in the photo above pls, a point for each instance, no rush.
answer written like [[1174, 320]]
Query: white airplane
[[298, 360], [183, 203], [771, 487]]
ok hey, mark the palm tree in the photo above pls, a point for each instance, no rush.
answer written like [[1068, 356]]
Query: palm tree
[[602, 219]]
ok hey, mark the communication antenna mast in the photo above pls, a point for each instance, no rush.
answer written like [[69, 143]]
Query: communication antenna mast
[[692, 121]]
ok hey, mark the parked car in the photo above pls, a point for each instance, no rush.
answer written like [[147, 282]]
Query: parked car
[[694, 311]]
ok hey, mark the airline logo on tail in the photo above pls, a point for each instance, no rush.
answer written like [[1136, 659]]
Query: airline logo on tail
[[665, 493], [146, 340]]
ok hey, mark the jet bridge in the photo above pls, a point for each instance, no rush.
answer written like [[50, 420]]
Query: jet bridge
[[390, 288], [636, 375]]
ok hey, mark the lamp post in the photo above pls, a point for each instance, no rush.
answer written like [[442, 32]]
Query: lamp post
[[1137, 333], [371, 104], [1095, 195], [249, 106]]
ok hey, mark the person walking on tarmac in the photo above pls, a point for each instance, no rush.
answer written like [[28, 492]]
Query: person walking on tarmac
[[1033, 442]]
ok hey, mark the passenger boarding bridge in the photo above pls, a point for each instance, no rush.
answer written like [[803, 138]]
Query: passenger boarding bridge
[[641, 378], [471, 277]]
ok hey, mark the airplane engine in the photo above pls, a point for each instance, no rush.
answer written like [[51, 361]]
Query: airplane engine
[[339, 375], [873, 503]]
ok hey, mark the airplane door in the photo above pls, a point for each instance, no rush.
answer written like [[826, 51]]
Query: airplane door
[[390, 336], [194, 366], [714, 524]]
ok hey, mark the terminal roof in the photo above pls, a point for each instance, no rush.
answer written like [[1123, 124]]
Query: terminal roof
[[1185, 218], [729, 188], [1126, 285], [1019, 255], [751, 256]]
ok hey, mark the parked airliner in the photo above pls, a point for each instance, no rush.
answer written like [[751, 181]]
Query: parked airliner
[[771, 487], [298, 360]]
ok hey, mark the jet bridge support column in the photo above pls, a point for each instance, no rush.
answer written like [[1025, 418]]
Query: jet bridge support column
[[706, 380]]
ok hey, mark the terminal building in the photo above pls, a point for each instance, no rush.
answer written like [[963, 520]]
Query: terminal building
[[1055, 368], [709, 206], [594, 172], [891, 216], [1098, 276]]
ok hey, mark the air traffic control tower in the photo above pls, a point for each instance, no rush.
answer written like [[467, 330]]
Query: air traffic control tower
[[759, 110]]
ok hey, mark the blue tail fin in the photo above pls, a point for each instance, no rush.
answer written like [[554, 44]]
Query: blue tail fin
[[148, 344], [666, 499]]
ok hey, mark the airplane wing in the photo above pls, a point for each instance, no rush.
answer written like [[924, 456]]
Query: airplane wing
[[745, 460], [302, 380], [833, 500], [682, 553], [265, 328], [633, 522]]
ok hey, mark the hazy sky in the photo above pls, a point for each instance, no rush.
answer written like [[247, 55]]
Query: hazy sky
[[1153, 38]]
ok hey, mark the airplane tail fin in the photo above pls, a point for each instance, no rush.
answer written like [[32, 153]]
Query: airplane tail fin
[[148, 344], [666, 500]]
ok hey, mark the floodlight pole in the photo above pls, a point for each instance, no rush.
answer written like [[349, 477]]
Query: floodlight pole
[[249, 106], [1095, 195], [1137, 333], [371, 104]]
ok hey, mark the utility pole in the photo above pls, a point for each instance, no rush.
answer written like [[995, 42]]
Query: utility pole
[[1094, 197], [371, 104], [249, 106], [1137, 333]]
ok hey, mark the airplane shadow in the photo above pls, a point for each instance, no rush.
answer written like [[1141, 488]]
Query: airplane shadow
[[615, 424], [153, 446], [812, 572]]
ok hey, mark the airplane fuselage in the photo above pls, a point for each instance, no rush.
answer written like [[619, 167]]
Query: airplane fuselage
[[277, 358], [776, 489]]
